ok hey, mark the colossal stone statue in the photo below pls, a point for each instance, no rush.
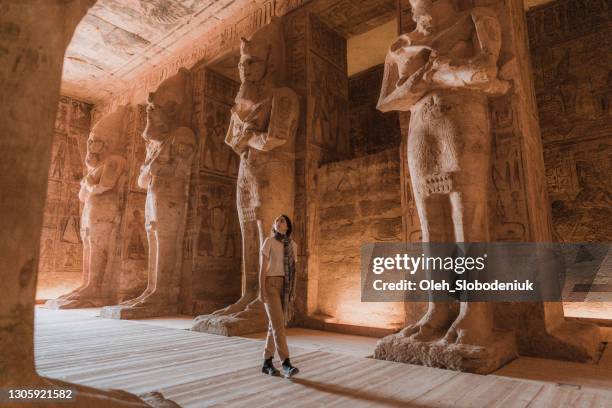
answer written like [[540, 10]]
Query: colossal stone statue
[[165, 174], [102, 194], [443, 72], [262, 132]]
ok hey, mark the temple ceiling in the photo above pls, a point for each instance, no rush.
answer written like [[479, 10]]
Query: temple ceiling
[[119, 41]]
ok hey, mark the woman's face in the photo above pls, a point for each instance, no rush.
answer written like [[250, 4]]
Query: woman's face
[[280, 225]]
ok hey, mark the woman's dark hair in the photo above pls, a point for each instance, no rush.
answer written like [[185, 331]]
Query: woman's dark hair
[[289, 226]]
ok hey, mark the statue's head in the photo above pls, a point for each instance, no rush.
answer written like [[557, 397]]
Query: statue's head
[[261, 56], [428, 14], [107, 136], [168, 107]]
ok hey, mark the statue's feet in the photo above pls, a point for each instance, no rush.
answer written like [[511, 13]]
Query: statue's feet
[[132, 302], [85, 302], [81, 292], [473, 327], [71, 294], [432, 325], [154, 298], [237, 307]]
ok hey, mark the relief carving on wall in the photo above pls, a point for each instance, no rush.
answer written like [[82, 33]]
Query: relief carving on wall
[[61, 247], [572, 67]]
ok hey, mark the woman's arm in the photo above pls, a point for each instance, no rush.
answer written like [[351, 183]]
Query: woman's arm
[[263, 269]]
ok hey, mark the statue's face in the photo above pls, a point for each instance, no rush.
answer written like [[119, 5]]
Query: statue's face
[[251, 68], [158, 123], [95, 144]]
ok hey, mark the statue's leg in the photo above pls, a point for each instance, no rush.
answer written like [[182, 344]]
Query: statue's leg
[[151, 262], [250, 268], [469, 202], [74, 294], [435, 215], [474, 324], [99, 245], [163, 286]]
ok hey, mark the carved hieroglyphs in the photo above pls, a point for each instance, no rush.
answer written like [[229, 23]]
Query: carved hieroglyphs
[[165, 174], [212, 247], [573, 81], [60, 263], [262, 132]]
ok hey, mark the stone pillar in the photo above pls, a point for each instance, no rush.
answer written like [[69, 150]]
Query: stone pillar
[[165, 173], [211, 254], [516, 145], [102, 192], [35, 38], [262, 133]]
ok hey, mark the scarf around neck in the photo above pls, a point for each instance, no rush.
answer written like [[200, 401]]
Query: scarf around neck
[[289, 278]]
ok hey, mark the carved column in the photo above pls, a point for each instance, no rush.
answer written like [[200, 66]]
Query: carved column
[[30, 73], [262, 132], [518, 211], [166, 174], [102, 192], [212, 247]]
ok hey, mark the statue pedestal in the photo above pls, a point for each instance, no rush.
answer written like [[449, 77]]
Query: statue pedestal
[[461, 357], [126, 312], [252, 319]]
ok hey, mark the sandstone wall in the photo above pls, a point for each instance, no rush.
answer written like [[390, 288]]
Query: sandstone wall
[[572, 64], [61, 249], [359, 202], [371, 131]]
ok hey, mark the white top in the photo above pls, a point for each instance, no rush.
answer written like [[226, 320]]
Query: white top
[[273, 250]]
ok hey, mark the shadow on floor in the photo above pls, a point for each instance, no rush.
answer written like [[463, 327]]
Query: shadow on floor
[[352, 393]]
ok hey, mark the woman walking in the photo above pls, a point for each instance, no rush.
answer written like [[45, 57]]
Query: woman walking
[[277, 291]]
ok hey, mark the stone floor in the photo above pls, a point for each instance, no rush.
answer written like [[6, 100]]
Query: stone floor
[[202, 370]]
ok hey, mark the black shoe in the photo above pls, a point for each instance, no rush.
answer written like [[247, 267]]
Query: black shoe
[[288, 369], [268, 368]]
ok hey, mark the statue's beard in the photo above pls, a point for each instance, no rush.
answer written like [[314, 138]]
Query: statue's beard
[[249, 94], [156, 131], [92, 160]]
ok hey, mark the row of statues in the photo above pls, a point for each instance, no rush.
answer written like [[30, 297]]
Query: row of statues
[[165, 174], [442, 72]]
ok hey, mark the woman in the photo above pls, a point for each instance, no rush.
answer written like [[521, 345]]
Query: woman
[[277, 291]]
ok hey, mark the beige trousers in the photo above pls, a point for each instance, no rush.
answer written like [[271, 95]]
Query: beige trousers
[[276, 339]]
